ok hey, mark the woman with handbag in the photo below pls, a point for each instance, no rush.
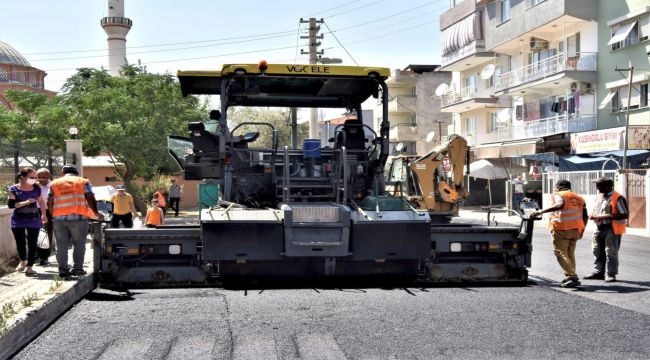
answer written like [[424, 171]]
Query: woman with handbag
[[27, 217]]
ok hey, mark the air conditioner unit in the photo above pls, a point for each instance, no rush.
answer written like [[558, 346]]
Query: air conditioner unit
[[538, 44]]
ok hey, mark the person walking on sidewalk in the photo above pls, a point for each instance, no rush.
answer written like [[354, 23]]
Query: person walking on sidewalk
[[175, 197], [44, 181], [73, 203], [567, 225], [27, 217], [610, 214], [162, 195], [123, 208]]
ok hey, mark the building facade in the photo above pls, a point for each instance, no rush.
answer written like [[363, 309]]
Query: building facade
[[624, 44], [16, 73], [414, 114], [527, 73]]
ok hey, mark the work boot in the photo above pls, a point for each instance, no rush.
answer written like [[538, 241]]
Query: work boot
[[572, 283], [594, 276]]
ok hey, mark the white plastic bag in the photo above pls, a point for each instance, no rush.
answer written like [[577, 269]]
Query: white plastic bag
[[43, 242], [137, 223]]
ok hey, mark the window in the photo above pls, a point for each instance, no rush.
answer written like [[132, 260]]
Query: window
[[3, 75], [493, 122], [532, 3], [505, 10], [630, 33], [470, 124], [639, 98], [21, 77]]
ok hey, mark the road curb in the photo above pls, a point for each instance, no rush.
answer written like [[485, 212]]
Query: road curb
[[24, 331]]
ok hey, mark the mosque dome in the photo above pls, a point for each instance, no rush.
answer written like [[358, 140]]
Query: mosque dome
[[9, 55]]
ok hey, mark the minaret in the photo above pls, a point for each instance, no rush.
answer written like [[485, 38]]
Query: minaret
[[116, 27]]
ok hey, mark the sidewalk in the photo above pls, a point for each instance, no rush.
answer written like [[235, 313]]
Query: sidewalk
[[37, 301]]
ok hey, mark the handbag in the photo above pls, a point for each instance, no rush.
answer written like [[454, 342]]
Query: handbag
[[43, 242]]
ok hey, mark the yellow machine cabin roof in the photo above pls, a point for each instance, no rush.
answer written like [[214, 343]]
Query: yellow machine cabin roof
[[286, 85]]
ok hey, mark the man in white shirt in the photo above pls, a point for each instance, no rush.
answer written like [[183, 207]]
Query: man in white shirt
[[44, 181], [518, 193]]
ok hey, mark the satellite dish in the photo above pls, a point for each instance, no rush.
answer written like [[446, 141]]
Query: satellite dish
[[399, 147], [487, 71], [503, 115], [430, 136], [441, 89]]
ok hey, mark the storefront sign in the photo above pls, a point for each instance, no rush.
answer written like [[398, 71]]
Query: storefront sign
[[597, 141], [639, 137]]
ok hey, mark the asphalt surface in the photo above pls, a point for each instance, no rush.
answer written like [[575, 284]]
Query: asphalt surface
[[598, 320]]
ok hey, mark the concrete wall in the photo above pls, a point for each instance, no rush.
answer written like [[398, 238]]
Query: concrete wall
[[524, 19], [7, 242]]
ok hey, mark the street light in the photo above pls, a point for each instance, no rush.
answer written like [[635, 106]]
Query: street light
[[74, 150], [73, 131]]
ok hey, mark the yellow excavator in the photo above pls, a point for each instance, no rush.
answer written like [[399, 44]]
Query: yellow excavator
[[431, 182]]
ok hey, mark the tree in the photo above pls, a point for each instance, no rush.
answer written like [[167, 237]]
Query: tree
[[280, 118], [129, 117]]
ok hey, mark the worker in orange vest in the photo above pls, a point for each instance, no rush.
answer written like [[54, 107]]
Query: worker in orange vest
[[610, 215], [162, 195], [567, 224], [72, 203]]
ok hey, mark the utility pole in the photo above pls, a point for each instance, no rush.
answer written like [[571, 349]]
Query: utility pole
[[314, 28], [627, 113]]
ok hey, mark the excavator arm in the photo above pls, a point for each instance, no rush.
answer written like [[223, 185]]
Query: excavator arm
[[432, 180]]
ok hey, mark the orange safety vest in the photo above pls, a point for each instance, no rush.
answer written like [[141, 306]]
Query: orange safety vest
[[570, 216], [69, 197], [154, 216], [161, 199], [618, 226]]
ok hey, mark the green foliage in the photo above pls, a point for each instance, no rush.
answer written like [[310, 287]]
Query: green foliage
[[4, 190], [280, 119], [145, 191]]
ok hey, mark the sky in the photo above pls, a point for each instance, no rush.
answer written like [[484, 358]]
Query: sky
[[60, 36]]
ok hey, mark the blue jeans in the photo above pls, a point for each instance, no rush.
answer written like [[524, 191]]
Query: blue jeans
[[70, 232], [516, 199]]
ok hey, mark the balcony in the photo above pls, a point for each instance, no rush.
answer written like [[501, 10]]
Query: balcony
[[116, 20], [403, 132], [402, 104], [568, 123], [467, 99], [548, 70]]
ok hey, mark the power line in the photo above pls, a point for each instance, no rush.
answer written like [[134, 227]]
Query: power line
[[337, 40]]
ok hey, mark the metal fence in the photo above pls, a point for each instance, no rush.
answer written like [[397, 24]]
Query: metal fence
[[582, 182], [15, 155]]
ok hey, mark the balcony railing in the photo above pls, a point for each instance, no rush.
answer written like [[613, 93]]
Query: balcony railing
[[547, 67], [116, 20], [405, 131], [465, 93], [568, 123]]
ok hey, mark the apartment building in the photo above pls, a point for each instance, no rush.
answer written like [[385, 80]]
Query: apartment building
[[526, 73], [414, 114], [624, 43]]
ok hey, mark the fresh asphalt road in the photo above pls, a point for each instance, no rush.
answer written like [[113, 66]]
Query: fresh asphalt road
[[539, 321]]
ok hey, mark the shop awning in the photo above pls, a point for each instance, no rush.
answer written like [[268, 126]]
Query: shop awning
[[506, 149]]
